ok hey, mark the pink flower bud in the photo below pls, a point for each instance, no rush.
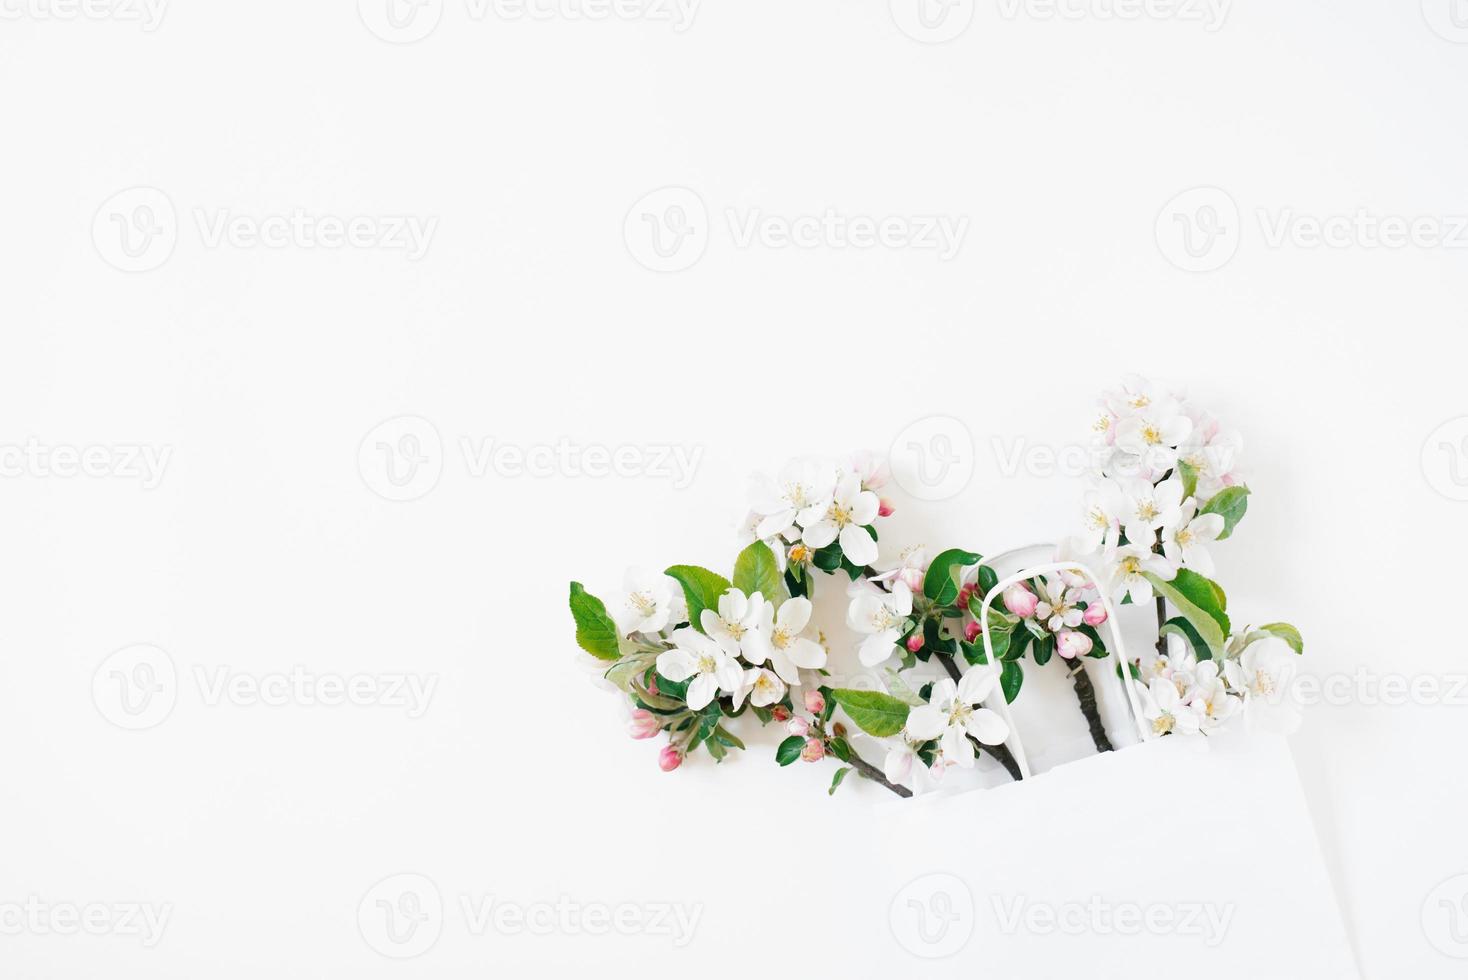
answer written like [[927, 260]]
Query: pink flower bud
[[815, 702], [972, 630], [798, 726], [780, 713], [644, 724], [885, 508], [670, 759], [964, 594], [915, 643], [1070, 644], [814, 751], [1019, 600], [652, 686], [1095, 614]]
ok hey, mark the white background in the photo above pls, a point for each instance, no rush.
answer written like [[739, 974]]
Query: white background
[[531, 318]]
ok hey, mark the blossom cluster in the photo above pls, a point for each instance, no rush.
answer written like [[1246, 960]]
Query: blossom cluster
[[694, 650]]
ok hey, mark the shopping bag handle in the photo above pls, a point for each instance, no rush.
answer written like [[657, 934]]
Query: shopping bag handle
[[1116, 651]]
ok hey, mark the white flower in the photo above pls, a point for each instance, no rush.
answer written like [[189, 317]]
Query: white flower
[[1128, 563], [777, 639], [1152, 436], [1210, 697], [910, 569], [761, 686], [1263, 674], [1213, 453], [1136, 395], [871, 467], [647, 602], [881, 617], [738, 616], [1059, 607], [1104, 506], [1164, 708], [1177, 668], [953, 714], [847, 516], [905, 767], [801, 495], [695, 655], [1185, 540], [1149, 508]]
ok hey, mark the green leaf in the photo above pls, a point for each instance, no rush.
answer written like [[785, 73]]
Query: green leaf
[[941, 584], [877, 714], [626, 671], [1179, 626], [1188, 473], [595, 631], [898, 688], [988, 578], [708, 720], [701, 588], [756, 570], [1019, 641], [1043, 651], [1200, 600], [841, 749], [789, 750], [1284, 631], [723, 736], [1003, 642], [836, 780], [715, 749], [1011, 680], [1231, 504], [827, 559]]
